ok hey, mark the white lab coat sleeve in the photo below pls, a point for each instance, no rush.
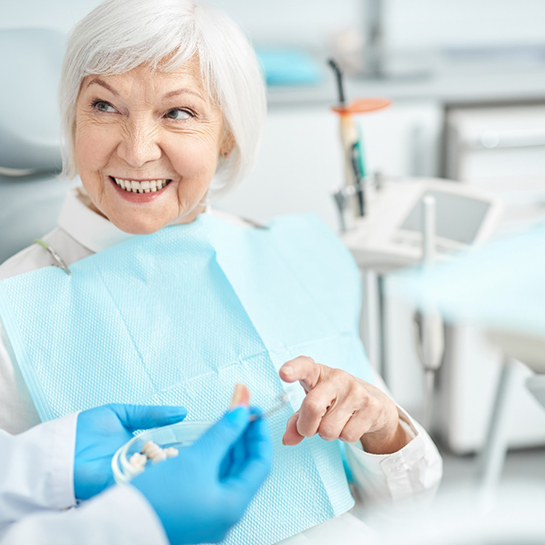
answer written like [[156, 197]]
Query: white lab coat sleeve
[[36, 469], [412, 473], [119, 516]]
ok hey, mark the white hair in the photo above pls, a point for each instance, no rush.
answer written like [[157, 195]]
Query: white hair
[[120, 35]]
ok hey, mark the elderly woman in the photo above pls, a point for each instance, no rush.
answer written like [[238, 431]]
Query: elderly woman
[[163, 108]]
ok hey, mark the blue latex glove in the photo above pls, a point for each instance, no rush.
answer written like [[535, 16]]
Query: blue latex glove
[[101, 431], [201, 493]]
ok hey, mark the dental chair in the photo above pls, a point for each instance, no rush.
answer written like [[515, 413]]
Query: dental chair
[[517, 347], [31, 196]]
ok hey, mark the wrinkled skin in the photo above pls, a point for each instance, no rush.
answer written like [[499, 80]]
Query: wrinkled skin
[[340, 406], [147, 124]]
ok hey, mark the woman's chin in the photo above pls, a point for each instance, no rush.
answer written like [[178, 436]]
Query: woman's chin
[[140, 227], [150, 219], [141, 230]]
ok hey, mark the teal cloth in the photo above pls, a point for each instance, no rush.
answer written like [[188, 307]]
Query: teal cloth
[[499, 286], [289, 67], [180, 316]]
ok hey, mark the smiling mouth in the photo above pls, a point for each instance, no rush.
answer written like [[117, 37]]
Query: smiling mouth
[[148, 186]]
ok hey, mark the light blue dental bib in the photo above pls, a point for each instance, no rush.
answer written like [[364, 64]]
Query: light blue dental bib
[[178, 317]]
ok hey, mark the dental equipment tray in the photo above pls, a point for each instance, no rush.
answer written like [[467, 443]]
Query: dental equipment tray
[[389, 237]]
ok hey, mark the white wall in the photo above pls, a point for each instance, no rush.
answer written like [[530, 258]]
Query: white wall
[[56, 14], [302, 22], [429, 23], [410, 23]]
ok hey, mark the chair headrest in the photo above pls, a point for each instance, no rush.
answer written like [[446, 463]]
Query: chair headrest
[[30, 67]]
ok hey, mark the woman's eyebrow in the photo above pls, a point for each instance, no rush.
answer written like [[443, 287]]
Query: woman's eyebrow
[[102, 83], [182, 91], [98, 81]]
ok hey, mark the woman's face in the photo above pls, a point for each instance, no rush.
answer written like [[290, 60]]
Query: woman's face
[[147, 145]]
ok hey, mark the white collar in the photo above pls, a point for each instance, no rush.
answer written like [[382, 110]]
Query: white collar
[[94, 231], [86, 227]]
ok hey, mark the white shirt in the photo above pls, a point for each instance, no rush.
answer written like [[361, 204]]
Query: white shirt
[[36, 484], [414, 471]]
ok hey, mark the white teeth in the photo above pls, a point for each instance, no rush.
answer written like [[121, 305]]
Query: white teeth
[[148, 186]]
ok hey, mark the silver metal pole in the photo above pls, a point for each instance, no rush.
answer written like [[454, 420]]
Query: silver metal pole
[[492, 457], [374, 46], [428, 329]]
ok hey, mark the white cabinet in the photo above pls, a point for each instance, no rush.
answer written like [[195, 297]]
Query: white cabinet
[[500, 149]]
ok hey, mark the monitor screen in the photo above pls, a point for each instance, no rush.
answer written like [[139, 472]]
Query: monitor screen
[[458, 217]]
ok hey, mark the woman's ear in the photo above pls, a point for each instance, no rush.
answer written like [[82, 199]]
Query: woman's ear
[[227, 145]]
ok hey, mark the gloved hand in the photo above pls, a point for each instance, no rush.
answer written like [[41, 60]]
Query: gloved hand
[[101, 431], [201, 493]]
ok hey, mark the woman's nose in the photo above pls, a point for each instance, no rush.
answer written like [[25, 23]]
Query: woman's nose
[[139, 146]]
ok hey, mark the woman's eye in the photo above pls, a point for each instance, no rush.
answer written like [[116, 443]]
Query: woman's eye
[[102, 106], [178, 114]]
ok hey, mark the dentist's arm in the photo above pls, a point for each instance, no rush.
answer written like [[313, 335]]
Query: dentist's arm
[[119, 516], [36, 470], [41, 468]]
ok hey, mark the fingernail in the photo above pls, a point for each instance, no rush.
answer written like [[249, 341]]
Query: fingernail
[[288, 370], [241, 395]]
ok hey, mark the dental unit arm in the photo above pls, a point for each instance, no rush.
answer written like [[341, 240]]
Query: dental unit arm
[[428, 324]]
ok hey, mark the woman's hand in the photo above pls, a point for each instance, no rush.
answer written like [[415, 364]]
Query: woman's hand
[[340, 406]]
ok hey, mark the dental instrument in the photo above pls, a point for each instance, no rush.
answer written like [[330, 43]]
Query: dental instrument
[[282, 402], [352, 144]]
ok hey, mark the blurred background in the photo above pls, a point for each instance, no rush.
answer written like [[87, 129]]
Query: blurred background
[[467, 83]]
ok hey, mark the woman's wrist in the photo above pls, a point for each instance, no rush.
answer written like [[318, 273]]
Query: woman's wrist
[[386, 441]]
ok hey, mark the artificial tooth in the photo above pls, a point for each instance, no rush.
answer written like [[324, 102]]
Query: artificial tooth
[[141, 187]]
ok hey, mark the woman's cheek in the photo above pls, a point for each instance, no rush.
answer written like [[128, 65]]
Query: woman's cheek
[[93, 144], [192, 159]]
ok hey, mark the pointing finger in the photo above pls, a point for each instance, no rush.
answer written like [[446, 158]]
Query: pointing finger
[[303, 369]]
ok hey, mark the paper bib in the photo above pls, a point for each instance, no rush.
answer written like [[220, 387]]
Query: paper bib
[[178, 317]]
